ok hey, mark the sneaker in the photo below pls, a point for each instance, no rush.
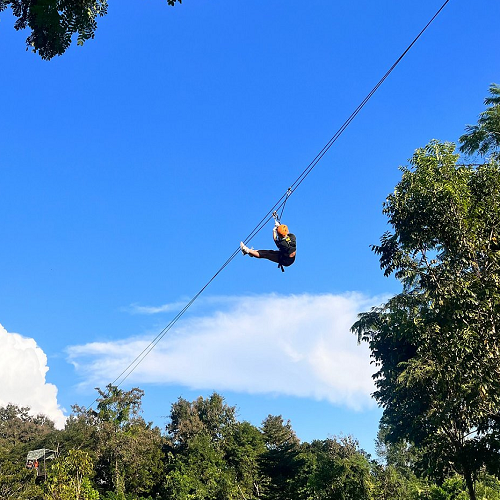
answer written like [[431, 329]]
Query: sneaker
[[244, 249]]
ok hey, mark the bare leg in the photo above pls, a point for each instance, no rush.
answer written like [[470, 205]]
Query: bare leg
[[253, 253]]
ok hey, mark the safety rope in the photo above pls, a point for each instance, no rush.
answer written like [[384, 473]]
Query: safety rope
[[270, 214], [288, 193]]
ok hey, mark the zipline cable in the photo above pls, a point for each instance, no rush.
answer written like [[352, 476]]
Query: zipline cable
[[279, 204], [353, 115]]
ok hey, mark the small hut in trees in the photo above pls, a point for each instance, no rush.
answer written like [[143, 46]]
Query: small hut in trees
[[37, 460]]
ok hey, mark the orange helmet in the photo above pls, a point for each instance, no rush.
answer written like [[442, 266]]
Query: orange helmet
[[282, 230]]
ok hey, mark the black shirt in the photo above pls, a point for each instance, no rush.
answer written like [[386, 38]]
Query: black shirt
[[287, 245]]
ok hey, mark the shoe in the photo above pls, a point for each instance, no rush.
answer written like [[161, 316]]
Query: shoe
[[244, 249]]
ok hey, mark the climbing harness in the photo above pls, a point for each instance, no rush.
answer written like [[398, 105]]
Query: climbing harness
[[277, 222]]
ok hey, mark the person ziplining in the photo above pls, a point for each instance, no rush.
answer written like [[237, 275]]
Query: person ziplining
[[286, 243]]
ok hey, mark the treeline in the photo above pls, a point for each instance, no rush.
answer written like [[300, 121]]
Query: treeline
[[204, 452]]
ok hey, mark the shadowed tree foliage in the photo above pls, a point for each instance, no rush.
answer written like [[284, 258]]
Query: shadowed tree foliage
[[436, 344], [18, 426], [17, 482], [53, 23], [281, 462], [20, 432]]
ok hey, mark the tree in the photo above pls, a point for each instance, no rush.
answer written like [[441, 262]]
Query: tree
[[244, 449], [69, 478], [17, 482], [54, 22], [341, 471], [127, 451], [436, 344], [484, 137], [20, 432], [201, 436], [211, 416], [199, 471], [281, 462], [18, 426]]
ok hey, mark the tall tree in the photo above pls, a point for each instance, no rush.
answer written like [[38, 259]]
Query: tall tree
[[54, 22], [210, 416], [200, 434], [281, 462], [244, 449], [484, 137], [437, 344], [126, 450]]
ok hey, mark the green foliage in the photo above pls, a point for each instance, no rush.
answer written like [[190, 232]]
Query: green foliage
[[69, 478], [245, 446], [401, 456], [281, 462], [127, 451], [389, 484], [19, 432], [436, 343], [200, 472], [484, 137], [205, 458], [53, 23], [488, 488], [113, 454], [340, 472], [210, 416], [17, 482], [18, 426]]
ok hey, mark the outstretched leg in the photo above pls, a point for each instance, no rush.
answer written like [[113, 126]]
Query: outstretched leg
[[272, 255], [249, 251]]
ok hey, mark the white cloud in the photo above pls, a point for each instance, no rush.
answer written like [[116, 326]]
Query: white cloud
[[23, 366], [297, 345], [137, 309]]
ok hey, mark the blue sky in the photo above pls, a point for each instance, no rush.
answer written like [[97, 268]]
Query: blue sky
[[131, 168]]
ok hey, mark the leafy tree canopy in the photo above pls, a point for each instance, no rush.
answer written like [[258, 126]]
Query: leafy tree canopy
[[436, 343], [18, 426], [210, 416], [53, 23]]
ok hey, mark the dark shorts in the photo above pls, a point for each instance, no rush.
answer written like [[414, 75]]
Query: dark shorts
[[276, 256]]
